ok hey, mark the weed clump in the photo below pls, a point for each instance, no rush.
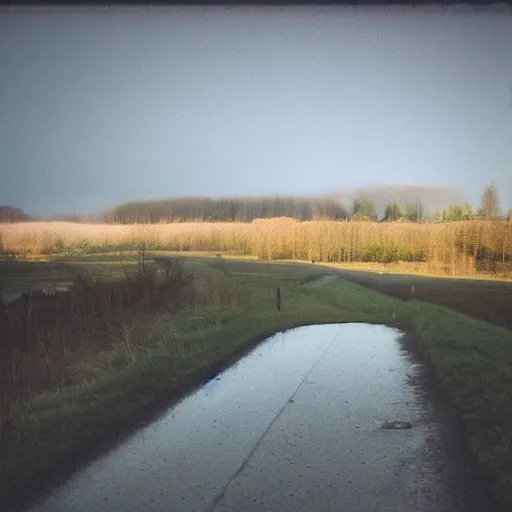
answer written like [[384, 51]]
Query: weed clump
[[42, 334]]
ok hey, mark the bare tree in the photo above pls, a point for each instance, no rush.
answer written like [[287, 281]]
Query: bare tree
[[490, 205]]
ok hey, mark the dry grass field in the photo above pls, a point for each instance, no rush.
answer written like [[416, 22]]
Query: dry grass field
[[467, 248]]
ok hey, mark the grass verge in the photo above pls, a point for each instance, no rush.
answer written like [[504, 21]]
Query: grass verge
[[472, 361], [489, 301]]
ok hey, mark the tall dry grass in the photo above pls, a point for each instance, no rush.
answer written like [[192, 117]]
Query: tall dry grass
[[45, 339], [61, 237], [42, 337], [456, 248]]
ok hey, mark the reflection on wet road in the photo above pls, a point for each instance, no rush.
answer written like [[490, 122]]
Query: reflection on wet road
[[294, 426]]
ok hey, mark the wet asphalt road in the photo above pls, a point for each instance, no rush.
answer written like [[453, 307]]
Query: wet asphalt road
[[294, 426]]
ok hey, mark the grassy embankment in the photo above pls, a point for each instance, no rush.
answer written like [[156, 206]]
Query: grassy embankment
[[232, 306]]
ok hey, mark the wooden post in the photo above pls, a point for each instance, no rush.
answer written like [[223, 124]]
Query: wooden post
[[279, 299]]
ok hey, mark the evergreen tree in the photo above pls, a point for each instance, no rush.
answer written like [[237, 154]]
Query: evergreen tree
[[414, 212], [392, 212], [364, 208]]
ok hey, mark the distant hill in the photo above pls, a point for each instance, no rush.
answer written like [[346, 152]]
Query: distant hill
[[13, 214], [432, 197]]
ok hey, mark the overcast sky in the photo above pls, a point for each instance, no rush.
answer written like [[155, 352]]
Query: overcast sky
[[99, 106]]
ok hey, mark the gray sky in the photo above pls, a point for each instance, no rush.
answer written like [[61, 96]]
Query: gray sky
[[101, 106]]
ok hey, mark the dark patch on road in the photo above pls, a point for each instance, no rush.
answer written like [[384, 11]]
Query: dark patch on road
[[396, 425]]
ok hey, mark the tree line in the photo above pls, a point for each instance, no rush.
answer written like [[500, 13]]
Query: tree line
[[204, 209], [224, 210], [489, 209], [303, 209]]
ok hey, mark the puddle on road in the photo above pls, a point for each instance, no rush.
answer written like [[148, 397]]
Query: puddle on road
[[295, 425]]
